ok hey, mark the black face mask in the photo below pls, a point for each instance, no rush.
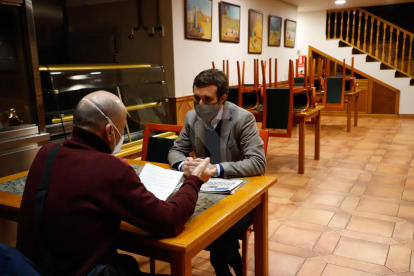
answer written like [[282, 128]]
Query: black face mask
[[207, 112]]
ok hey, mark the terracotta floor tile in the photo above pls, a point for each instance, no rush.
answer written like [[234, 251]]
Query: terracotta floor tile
[[281, 192], [403, 232], [392, 169], [396, 161], [406, 212], [312, 215], [390, 180], [291, 250], [202, 264], [365, 159], [366, 146], [358, 189], [399, 258], [351, 165], [409, 182], [364, 177], [367, 237], [375, 159], [327, 243], [335, 186], [371, 226], [408, 195], [357, 265], [300, 195], [378, 207], [350, 203], [285, 211], [312, 266], [295, 237], [306, 225], [371, 167], [362, 250], [383, 192], [334, 270], [339, 220], [325, 199], [281, 264], [344, 174], [397, 153], [292, 180]]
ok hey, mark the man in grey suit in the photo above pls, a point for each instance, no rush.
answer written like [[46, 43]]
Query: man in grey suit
[[229, 136]]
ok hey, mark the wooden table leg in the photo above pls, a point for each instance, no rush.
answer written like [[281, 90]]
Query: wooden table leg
[[261, 256], [317, 135], [348, 119], [180, 264], [301, 147], [356, 109]]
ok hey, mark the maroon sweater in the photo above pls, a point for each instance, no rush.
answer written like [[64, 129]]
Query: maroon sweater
[[90, 192]]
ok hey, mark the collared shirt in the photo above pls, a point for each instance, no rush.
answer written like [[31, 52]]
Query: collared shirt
[[214, 123]]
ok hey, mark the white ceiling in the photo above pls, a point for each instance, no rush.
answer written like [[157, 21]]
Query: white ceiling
[[317, 5]]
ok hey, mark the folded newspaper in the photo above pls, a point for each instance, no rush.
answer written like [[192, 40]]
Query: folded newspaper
[[220, 185]]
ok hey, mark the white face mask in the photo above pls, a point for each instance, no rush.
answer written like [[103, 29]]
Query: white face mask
[[118, 146]]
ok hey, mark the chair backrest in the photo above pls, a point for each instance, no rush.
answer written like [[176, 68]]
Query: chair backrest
[[155, 149], [334, 96], [278, 106], [264, 134], [233, 95]]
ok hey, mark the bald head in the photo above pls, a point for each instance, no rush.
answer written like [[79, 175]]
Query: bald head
[[88, 118]]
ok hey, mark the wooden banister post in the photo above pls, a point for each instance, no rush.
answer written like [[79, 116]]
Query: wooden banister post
[[329, 25], [372, 34], [383, 43], [359, 29], [353, 27], [365, 33], [403, 52], [378, 27], [347, 30], [409, 56], [389, 52], [342, 25], [396, 50], [335, 17]]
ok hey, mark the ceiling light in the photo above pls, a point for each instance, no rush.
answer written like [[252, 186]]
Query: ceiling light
[[340, 2]]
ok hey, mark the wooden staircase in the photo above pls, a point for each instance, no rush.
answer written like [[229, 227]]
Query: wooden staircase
[[379, 39]]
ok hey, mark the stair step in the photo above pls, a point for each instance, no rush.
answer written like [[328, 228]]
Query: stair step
[[384, 66], [355, 51], [371, 59], [343, 44], [398, 74]]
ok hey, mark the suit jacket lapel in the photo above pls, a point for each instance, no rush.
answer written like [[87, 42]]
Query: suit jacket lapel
[[199, 138], [226, 125]]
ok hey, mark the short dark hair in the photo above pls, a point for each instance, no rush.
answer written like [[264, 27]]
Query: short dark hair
[[213, 77]]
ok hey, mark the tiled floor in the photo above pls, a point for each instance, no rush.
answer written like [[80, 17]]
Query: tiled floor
[[351, 213]]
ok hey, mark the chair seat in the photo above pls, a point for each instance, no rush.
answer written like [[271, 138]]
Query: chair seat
[[299, 84], [299, 107], [259, 108]]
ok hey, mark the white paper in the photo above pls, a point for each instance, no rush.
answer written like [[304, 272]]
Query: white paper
[[220, 185], [159, 181]]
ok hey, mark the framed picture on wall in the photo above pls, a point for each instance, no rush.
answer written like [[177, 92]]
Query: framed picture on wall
[[290, 33], [275, 31], [229, 19], [255, 31], [197, 18]]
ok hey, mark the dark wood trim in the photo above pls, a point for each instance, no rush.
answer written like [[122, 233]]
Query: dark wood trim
[[11, 2], [220, 7], [411, 116], [33, 61], [182, 98]]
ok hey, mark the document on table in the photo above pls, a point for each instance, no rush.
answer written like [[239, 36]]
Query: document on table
[[159, 181]]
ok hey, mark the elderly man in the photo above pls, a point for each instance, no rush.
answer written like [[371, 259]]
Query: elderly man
[[228, 135], [91, 191]]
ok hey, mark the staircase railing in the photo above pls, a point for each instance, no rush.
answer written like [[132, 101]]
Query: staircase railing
[[373, 36]]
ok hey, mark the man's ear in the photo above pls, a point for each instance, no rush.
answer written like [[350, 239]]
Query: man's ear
[[108, 132], [223, 98]]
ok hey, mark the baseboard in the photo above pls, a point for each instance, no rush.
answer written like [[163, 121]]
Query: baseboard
[[406, 115], [363, 115]]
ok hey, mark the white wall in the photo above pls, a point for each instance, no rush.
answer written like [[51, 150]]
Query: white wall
[[311, 32], [192, 56]]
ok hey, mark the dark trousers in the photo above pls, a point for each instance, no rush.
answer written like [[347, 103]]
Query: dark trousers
[[224, 251], [126, 265]]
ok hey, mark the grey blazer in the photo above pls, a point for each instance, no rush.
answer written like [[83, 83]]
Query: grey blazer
[[241, 148]]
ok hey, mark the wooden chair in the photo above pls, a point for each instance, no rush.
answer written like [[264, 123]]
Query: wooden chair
[[245, 236], [334, 91], [302, 95], [278, 106], [225, 70], [155, 149], [270, 73]]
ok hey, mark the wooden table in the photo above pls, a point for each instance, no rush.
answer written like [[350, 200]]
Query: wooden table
[[301, 118], [198, 232]]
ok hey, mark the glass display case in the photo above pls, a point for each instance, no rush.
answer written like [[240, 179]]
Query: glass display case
[[141, 87]]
